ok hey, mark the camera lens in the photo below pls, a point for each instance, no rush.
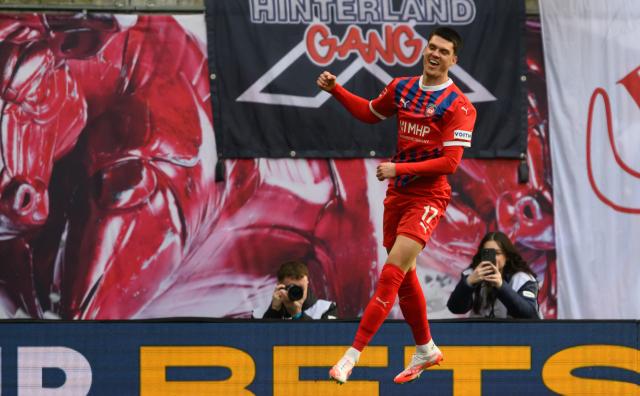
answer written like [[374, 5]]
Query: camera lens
[[294, 292]]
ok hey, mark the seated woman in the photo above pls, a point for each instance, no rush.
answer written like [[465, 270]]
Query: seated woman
[[496, 286]]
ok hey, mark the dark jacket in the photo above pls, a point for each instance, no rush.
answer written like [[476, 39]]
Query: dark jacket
[[312, 308], [516, 298]]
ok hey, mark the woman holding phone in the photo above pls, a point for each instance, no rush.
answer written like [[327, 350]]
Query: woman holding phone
[[497, 284]]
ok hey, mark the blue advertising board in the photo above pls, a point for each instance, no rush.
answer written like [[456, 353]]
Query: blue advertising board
[[283, 358]]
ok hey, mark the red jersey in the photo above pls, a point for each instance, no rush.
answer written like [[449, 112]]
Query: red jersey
[[428, 118]]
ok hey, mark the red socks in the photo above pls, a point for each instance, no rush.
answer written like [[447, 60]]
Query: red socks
[[414, 307], [380, 304]]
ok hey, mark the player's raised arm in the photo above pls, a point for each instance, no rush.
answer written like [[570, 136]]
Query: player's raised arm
[[356, 105], [326, 81]]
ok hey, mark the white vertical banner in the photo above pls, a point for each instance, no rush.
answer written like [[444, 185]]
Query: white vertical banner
[[592, 59]]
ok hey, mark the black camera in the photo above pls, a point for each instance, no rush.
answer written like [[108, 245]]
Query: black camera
[[488, 255], [294, 292]]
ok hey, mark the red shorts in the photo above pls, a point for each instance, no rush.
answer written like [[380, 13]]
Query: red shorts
[[412, 216]]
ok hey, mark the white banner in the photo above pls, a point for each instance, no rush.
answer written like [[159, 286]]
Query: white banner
[[592, 57]]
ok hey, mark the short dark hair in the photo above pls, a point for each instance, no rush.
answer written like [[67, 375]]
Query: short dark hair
[[292, 269], [449, 35]]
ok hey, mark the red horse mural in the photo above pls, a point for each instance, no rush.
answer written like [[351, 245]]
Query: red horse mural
[[109, 204], [109, 207], [107, 143]]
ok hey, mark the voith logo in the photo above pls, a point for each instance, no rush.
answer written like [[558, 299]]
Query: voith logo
[[624, 196], [390, 40], [462, 135]]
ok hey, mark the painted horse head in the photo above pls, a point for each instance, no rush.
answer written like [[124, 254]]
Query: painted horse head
[[42, 113], [42, 107]]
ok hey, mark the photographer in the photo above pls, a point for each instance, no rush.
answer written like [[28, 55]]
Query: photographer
[[497, 284], [293, 298]]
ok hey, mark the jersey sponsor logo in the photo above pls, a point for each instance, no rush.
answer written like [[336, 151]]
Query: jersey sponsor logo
[[431, 110], [462, 135], [411, 128]]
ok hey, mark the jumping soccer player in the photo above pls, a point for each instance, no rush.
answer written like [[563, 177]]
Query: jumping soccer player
[[435, 122]]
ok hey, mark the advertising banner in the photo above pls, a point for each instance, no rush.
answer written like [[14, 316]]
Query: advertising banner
[[265, 56], [293, 358], [592, 57]]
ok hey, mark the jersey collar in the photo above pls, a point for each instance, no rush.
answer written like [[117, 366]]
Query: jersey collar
[[434, 87]]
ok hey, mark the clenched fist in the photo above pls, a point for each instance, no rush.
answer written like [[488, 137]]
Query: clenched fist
[[386, 170], [326, 81]]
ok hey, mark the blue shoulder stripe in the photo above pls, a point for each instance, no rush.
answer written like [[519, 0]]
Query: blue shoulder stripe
[[434, 96], [415, 87], [399, 88], [445, 104], [423, 95]]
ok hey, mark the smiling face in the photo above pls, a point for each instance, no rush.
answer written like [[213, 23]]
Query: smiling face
[[438, 56]]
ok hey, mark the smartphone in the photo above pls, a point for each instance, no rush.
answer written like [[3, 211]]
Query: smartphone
[[488, 255]]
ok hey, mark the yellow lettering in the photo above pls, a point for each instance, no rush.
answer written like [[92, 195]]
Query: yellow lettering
[[288, 359], [467, 363], [155, 359], [556, 373]]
